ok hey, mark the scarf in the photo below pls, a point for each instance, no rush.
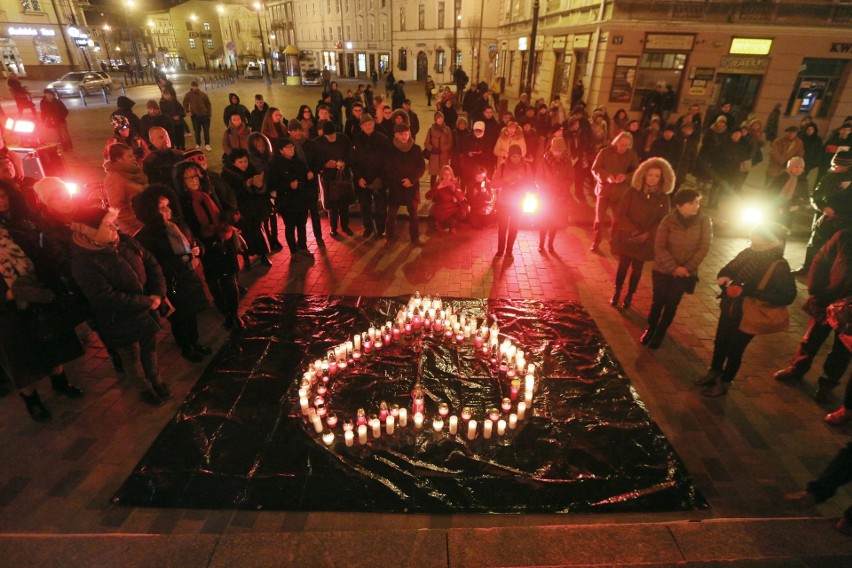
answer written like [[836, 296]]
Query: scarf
[[132, 172], [178, 241], [14, 263], [206, 212], [82, 237], [403, 146], [685, 222]]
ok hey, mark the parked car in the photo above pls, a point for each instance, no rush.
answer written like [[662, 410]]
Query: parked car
[[253, 72], [312, 77], [88, 82]]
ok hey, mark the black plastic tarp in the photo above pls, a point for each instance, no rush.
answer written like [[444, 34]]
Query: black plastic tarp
[[240, 441]]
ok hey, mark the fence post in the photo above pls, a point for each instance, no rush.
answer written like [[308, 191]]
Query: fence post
[[83, 96], [106, 94], [123, 90]]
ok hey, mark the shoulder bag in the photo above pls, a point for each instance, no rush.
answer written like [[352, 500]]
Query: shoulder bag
[[761, 318]]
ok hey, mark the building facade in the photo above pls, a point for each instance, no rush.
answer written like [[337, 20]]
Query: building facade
[[752, 54], [40, 39]]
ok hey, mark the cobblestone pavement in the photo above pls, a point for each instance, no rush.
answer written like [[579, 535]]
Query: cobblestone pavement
[[744, 450]]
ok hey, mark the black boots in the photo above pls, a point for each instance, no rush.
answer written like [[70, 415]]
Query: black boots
[[60, 384], [35, 407], [628, 299], [616, 294]]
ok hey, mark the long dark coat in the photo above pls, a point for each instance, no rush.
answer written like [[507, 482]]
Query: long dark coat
[[400, 165]]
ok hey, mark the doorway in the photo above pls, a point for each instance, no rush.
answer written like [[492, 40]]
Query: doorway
[[739, 90], [372, 63], [561, 84], [422, 66]]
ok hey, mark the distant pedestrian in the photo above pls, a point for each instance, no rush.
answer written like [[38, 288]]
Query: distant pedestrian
[[197, 105], [54, 117]]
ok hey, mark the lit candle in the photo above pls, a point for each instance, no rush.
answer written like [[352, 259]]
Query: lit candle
[[466, 413], [349, 438], [361, 416], [303, 393], [529, 383], [371, 333], [332, 367], [321, 410], [377, 344], [408, 327], [477, 340], [317, 423], [305, 404], [356, 342], [506, 404], [471, 430], [454, 424], [322, 388], [394, 410], [522, 408], [501, 427], [418, 404], [383, 410], [418, 420], [395, 333], [317, 365], [403, 417], [377, 428], [493, 414], [389, 424], [328, 437], [448, 333], [513, 421], [443, 409], [514, 389], [324, 368], [362, 434], [438, 423], [438, 326], [368, 346], [531, 369], [486, 428], [331, 420], [356, 355], [386, 336], [348, 426]]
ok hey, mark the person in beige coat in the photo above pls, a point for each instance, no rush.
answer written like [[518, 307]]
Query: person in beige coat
[[124, 179], [510, 135], [438, 146]]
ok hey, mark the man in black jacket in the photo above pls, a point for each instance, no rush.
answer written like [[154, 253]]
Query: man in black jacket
[[368, 159], [832, 197], [236, 107], [307, 152], [258, 113], [404, 166]]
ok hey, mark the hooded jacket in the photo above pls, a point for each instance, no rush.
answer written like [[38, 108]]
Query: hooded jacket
[[256, 117], [640, 212], [122, 182], [236, 107], [234, 138], [125, 106]]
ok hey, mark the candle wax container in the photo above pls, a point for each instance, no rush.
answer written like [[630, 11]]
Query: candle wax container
[[487, 426], [332, 368], [349, 438], [438, 424], [322, 389], [501, 427], [331, 420], [317, 421], [328, 437], [403, 417], [304, 404], [377, 428], [493, 414], [418, 420], [321, 410], [471, 430], [454, 424], [383, 410], [443, 409], [506, 405], [529, 383], [514, 389], [377, 344], [466, 413], [368, 346], [513, 421], [361, 417], [522, 409], [439, 326], [477, 341], [395, 334], [389, 424], [356, 355], [348, 426], [362, 434], [394, 410]]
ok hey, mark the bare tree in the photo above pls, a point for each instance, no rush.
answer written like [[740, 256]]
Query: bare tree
[[474, 34]]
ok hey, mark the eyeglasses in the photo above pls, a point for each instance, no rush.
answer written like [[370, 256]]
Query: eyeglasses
[[187, 178]]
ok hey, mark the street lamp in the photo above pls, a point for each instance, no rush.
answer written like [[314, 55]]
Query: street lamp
[[128, 5], [194, 18], [106, 29], [266, 78]]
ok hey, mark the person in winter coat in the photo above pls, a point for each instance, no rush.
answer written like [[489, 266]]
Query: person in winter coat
[[334, 155], [666, 146], [637, 216], [705, 170], [170, 242], [53, 117], [32, 344], [306, 151], [510, 136], [274, 125], [832, 199], [414, 120], [403, 168], [288, 176], [480, 196], [437, 147], [449, 201], [369, 148], [154, 117], [813, 147], [728, 163], [214, 228], [235, 107], [122, 133], [158, 164], [829, 280], [124, 179], [125, 288], [235, 135], [197, 105], [260, 156], [789, 191], [554, 177], [619, 123], [306, 118], [739, 279], [783, 148], [511, 179], [429, 87], [839, 140], [687, 151], [171, 108], [258, 113], [611, 168], [125, 108], [682, 242], [248, 184]]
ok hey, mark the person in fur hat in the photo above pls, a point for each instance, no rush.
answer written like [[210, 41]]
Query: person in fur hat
[[637, 217]]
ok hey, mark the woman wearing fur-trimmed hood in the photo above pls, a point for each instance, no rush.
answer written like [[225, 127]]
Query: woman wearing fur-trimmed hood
[[637, 217]]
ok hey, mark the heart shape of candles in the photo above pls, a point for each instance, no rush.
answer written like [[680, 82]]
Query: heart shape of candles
[[422, 316]]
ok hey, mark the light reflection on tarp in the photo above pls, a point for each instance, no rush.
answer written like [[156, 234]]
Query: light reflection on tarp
[[239, 441]]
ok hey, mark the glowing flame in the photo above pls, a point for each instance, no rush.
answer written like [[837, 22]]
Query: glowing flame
[[530, 204], [751, 216], [72, 188]]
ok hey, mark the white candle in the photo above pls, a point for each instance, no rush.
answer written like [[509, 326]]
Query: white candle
[[356, 342], [377, 427], [529, 383], [418, 420], [349, 438], [513, 421], [486, 428], [522, 408], [317, 423], [438, 424], [371, 333], [305, 404], [389, 424], [454, 424], [362, 434], [531, 369], [471, 430], [403, 417], [501, 427], [328, 437]]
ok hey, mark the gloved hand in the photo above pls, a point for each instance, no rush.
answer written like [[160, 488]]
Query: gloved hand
[[31, 290]]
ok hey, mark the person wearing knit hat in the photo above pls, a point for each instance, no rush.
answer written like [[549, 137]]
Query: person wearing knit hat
[[786, 146], [334, 153], [369, 150], [125, 288], [367, 118], [437, 147], [512, 177], [479, 126], [403, 168]]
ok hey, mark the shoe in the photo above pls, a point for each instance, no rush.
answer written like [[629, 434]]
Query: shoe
[[802, 499], [348, 231], [35, 407], [366, 234], [320, 242], [595, 248], [656, 341], [417, 241], [203, 349], [801, 271], [838, 417], [151, 397], [613, 301], [551, 248], [197, 146], [207, 148], [510, 256], [163, 391], [788, 375], [718, 388], [60, 384], [628, 300], [822, 395], [843, 527], [191, 354], [305, 253], [646, 336], [276, 246], [264, 260], [707, 379], [499, 253], [334, 234]]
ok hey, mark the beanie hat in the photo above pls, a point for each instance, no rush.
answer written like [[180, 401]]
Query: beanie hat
[[328, 127], [842, 158], [367, 118], [479, 125], [53, 192], [192, 153], [401, 127], [293, 124], [437, 114], [515, 149]]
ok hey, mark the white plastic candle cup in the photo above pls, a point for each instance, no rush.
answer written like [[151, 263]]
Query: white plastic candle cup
[[389, 424], [487, 426], [522, 409], [403, 417], [362, 434], [377, 428], [471, 430], [513, 421], [349, 438], [418, 420], [501, 427], [328, 437], [317, 424], [454, 424], [438, 424]]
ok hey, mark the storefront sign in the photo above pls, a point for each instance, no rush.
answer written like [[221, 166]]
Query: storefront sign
[[559, 42], [24, 31], [523, 43], [82, 41], [582, 41], [669, 42], [743, 64], [703, 73], [623, 79], [750, 46]]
